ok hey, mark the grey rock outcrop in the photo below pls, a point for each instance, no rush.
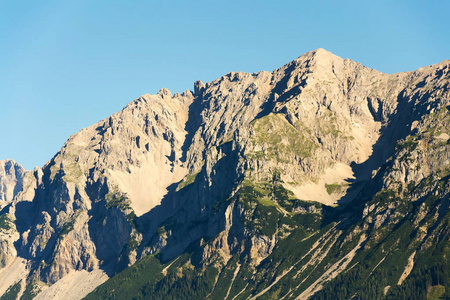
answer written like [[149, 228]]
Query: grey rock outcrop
[[11, 180]]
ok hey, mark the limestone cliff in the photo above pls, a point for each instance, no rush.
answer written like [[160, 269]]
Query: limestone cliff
[[11, 180]]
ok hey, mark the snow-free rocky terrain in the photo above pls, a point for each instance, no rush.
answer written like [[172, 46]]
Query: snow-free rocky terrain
[[323, 179]]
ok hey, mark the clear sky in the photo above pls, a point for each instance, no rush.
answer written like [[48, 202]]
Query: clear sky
[[65, 65]]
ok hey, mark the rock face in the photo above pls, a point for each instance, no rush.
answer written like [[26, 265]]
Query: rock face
[[11, 180], [319, 159], [16, 185]]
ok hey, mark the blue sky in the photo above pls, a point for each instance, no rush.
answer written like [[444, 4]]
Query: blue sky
[[65, 65]]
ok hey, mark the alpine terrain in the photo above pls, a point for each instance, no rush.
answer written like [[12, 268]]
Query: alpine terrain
[[323, 179]]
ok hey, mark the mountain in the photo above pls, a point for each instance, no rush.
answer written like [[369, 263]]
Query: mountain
[[323, 179]]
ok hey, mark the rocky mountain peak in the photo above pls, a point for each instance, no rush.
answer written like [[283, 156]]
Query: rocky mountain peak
[[319, 54], [165, 93]]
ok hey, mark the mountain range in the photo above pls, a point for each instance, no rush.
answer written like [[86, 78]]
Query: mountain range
[[323, 179]]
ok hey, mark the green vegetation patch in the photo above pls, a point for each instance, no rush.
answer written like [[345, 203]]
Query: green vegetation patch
[[162, 231], [279, 139], [188, 180], [133, 243], [225, 279], [266, 202], [31, 291], [68, 227], [69, 224], [436, 123], [6, 222], [409, 144], [149, 279], [334, 188], [270, 208], [128, 283], [131, 218], [12, 292], [117, 199], [436, 292]]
